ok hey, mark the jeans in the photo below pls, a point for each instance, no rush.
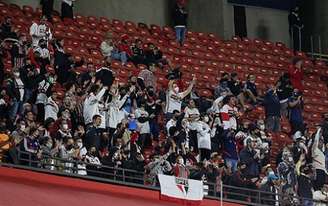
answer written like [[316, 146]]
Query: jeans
[[232, 163], [121, 56], [28, 93], [273, 123], [180, 33], [16, 108], [307, 203], [154, 128]]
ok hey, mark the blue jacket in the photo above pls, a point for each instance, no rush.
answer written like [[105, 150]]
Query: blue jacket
[[252, 165], [271, 104]]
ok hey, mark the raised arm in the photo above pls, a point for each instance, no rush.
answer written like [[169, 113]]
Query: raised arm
[[186, 92], [316, 140]]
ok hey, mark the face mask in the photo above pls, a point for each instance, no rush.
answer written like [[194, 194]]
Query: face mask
[[65, 126], [22, 127], [93, 153], [180, 161], [50, 80], [176, 89], [80, 144], [290, 159], [262, 127], [49, 145], [16, 74], [69, 147], [206, 119]]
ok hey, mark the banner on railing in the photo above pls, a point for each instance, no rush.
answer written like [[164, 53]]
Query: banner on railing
[[180, 190]]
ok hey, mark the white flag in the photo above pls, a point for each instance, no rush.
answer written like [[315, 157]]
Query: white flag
[[174, 188]]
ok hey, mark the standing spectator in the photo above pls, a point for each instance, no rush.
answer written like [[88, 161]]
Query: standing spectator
[[174, 97], [305, 185], [284, 91], [91, 103], [229, 113], [204, 138], [321, 196], [230, 152], [250, 157], [18, 52], [47, 8], [67, 9], [324, 126], [40, 31], [271, 186], [16, 92], [295, 26], [51, 107], [295, 112], [180, 170], [272, 110], [143, 125], [67, 153], [319, 162], [296, 75], [93, 134], [148, 76], [180, 16]]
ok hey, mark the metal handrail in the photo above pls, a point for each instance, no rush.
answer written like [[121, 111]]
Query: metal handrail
[[136, 179]]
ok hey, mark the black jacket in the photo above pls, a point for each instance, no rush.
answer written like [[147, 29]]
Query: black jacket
[[180, 17], [305, 187]]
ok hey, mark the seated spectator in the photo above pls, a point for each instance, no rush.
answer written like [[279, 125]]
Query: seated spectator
[[40, 31], [154, 55], [124, 49], [319, 163], [251, 89], [6, 29], [236, 88], [107, 46], [5, 143], [138, 56], [91, 157], [223, 88]]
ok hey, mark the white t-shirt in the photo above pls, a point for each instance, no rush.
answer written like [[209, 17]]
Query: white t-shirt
[[170, 124], [194, 112], [106, 49], [69, 2], [173, 101]]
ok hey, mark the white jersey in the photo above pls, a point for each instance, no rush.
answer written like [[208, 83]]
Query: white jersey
[[38, 32], [173, 101]]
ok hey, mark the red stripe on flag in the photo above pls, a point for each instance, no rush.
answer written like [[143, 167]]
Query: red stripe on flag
[[180, 201]]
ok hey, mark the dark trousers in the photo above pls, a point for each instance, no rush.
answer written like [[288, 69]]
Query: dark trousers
[[205, 154], [320, 179], [47, 8], [66, 11]]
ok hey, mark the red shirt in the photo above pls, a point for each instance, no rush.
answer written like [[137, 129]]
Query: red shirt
[[124, 48], [296, 77]]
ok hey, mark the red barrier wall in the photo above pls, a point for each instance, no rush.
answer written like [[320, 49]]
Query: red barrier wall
[[22, 187]]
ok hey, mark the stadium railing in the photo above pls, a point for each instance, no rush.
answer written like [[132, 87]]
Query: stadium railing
[[133, 178]]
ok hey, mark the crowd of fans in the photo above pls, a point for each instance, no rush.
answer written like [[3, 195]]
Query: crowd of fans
[[98, 120]]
